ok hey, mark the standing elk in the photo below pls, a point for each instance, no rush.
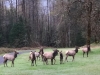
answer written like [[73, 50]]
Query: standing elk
[[41, 52], [86, 50], [37, 54], [10, 57], [50, 55], [71, 53], [32, 58], [61, 57]]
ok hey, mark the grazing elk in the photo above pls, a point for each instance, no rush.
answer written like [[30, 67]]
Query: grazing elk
[[86, 50], [10, 57], [50, 55], [32, 58], [71, 53], [61, 57]]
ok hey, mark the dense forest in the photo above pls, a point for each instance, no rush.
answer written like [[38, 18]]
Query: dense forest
[[55, 23]]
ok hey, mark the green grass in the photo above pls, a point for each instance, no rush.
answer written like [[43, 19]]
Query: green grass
[[81, 66]]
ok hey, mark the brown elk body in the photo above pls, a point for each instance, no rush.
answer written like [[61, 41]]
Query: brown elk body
[[32, 58], [37, 55], [86, 50], [10, 57], [50, 55], [71, 53]]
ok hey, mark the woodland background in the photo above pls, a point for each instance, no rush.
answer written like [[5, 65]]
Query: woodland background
[[53, 23]]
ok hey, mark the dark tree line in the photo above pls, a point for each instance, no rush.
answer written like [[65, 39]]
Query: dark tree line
[[56, 23]]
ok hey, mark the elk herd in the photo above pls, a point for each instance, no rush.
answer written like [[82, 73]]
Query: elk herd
[[45, 56]]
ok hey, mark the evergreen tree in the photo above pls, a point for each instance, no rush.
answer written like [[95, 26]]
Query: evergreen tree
[[17, 34], [80, 41]]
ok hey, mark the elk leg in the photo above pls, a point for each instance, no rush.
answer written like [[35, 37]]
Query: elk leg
[[37, 57], [87, 54], [32, 63], [66, 58], [51, 61], [55, 60], [83, 54], [35, 63], [41, 57], [73, 58], [61, 60], [5, 62], [46, 62], [43, 62], [12, 65]]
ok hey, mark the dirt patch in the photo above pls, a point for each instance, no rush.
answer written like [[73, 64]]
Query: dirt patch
[[6, 50], [9, 50]]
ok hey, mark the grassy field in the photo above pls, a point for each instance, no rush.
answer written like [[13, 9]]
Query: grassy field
[[81, 66]]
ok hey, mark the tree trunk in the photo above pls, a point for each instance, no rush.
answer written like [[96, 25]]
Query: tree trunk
[[89, 10]]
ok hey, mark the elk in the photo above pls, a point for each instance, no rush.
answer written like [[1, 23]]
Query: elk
[[61, 57], [86, 50], [32, 58], [50, 55], [10, 57], [71, 53], [37, 55], [41, 52]]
